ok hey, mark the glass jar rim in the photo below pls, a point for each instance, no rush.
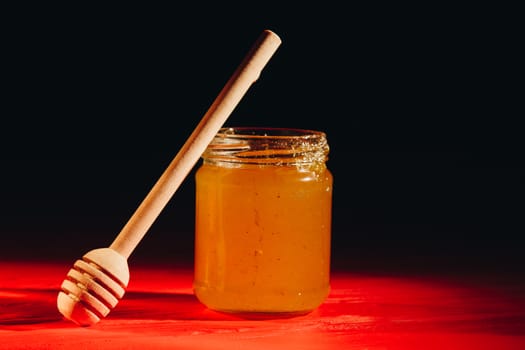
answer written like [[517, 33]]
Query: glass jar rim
[[267, 146], [268, 132]]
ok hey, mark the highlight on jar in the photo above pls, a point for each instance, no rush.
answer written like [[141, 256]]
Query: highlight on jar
[[263, 222]]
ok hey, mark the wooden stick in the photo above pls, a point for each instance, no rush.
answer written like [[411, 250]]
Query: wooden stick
[[243, 77]]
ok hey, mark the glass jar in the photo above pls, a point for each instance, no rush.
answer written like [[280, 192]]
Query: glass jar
[[263, 222]]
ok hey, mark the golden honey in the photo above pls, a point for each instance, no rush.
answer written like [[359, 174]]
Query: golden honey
[[263, 222]]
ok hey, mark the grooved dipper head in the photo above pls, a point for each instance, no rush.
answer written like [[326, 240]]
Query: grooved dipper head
[[93, 286]]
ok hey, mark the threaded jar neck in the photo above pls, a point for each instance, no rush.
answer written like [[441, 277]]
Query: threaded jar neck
[[267, 146]]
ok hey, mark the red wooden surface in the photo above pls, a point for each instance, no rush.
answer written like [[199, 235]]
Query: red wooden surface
[[363, 311]]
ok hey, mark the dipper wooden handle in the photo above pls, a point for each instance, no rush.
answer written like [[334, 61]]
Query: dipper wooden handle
[[247, 73]]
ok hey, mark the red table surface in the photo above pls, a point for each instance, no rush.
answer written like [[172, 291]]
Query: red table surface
[[363, 311]]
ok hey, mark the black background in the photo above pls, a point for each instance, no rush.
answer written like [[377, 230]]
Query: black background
[[421, 106]]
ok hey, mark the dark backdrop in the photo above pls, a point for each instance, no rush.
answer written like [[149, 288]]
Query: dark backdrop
[[419, 106]]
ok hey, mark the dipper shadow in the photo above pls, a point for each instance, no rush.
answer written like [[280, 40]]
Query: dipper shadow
[[22, 306]]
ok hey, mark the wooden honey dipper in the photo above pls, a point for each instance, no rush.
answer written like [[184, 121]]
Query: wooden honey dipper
[[97, 282]]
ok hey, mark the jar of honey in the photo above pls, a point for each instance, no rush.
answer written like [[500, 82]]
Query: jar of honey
[[263, 222]]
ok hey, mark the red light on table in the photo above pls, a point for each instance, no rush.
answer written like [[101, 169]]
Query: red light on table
[[363, 311]]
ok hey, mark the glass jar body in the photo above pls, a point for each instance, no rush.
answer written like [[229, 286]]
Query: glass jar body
[[263, 227]]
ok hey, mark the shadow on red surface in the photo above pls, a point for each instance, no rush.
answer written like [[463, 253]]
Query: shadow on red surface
[[363, 311]]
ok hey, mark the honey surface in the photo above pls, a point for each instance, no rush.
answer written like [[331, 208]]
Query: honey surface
[[262, 238]]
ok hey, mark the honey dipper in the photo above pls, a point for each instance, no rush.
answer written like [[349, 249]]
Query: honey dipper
[[97, 282]]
